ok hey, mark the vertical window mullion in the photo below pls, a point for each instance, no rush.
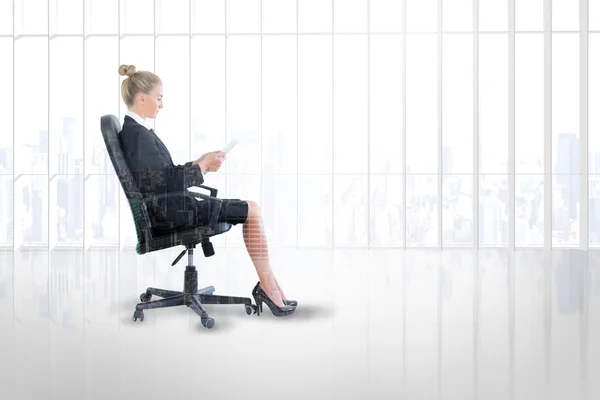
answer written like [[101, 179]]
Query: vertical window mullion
[[261, 102], [189, 80], [476, 124], [439, 110], [83, 119], [49, 176], [297, 127], [13, 141], [440, 194], [369, 124], [404, 224], [119, 110], [225, 82], [583, 125], [511, 124], [511, 195], [476, 290], [548, 124], [154, 40], [333, 124]]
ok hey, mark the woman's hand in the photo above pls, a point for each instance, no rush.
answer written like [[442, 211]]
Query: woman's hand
[[211, 162], [202, 157]]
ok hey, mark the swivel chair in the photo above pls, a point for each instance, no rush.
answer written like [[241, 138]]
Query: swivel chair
[[191, 296]]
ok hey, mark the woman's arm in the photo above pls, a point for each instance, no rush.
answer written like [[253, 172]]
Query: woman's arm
[[153, 168]]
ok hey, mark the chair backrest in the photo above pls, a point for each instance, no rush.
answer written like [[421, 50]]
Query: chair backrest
[[110, 127]]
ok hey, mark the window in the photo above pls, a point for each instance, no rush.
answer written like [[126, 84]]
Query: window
[[244, 16], [594, 140], [137, 17], [565, 140], [102, 210], [279, 207], [6, 108], [457, 104], [31, 211], [244, 103], [529, 140], [279, 106], [315, 211], [208, 96], [173, 120], [493, 15], [279, 16], [351, 211], [594, 15], [457, 210], [347, 135], [350, 16], [457, 15], [6, 210], [387, 212], [594, 104], [66, 16], [208, 16], [565, 15], [421, 16], [386, 122], [315, 105], [529, 15], [31, 17], [350, 113], [102, 96], [65, 212], [493, 104], [422, 210], [6, 19], [421, 104], [386, 16], [315, 16], [31, 129], [65, 145], [6, 143], [101, 16], [172, 16]]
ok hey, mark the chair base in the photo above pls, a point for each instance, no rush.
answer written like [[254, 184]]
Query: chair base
[[191, 297]]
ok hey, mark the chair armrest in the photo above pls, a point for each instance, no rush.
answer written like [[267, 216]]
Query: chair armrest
[[212, 197], [213, 191], [215, 203]]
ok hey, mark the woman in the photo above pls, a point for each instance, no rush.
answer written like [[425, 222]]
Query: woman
[[154, 173]]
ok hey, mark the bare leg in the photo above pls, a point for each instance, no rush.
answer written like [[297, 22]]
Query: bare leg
[[256, 244], [280, 290]]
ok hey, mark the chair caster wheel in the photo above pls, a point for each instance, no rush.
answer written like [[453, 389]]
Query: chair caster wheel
[[145, 297], [208, 322], [250, 309], [138, 314]]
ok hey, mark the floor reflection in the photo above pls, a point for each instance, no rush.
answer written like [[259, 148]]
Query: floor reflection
[[383, 323]]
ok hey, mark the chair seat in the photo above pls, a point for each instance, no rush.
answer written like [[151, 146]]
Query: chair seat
[[185, 237]]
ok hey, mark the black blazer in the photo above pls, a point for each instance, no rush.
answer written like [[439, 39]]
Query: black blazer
[[155, 174]]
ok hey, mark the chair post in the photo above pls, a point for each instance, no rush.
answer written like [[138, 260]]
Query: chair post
[[190, 251], [190, 283]]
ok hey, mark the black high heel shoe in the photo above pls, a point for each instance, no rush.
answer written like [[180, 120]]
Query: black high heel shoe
[[292, 303], [261, 297]]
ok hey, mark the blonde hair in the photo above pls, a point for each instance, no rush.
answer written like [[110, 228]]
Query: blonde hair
[[136, 82]]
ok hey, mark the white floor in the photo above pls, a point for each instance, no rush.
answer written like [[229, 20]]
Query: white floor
[[371, 324]]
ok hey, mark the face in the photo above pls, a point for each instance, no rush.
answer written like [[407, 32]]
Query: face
[[150, 103]]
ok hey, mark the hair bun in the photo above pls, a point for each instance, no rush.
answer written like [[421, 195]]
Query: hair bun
[[128, 70]]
